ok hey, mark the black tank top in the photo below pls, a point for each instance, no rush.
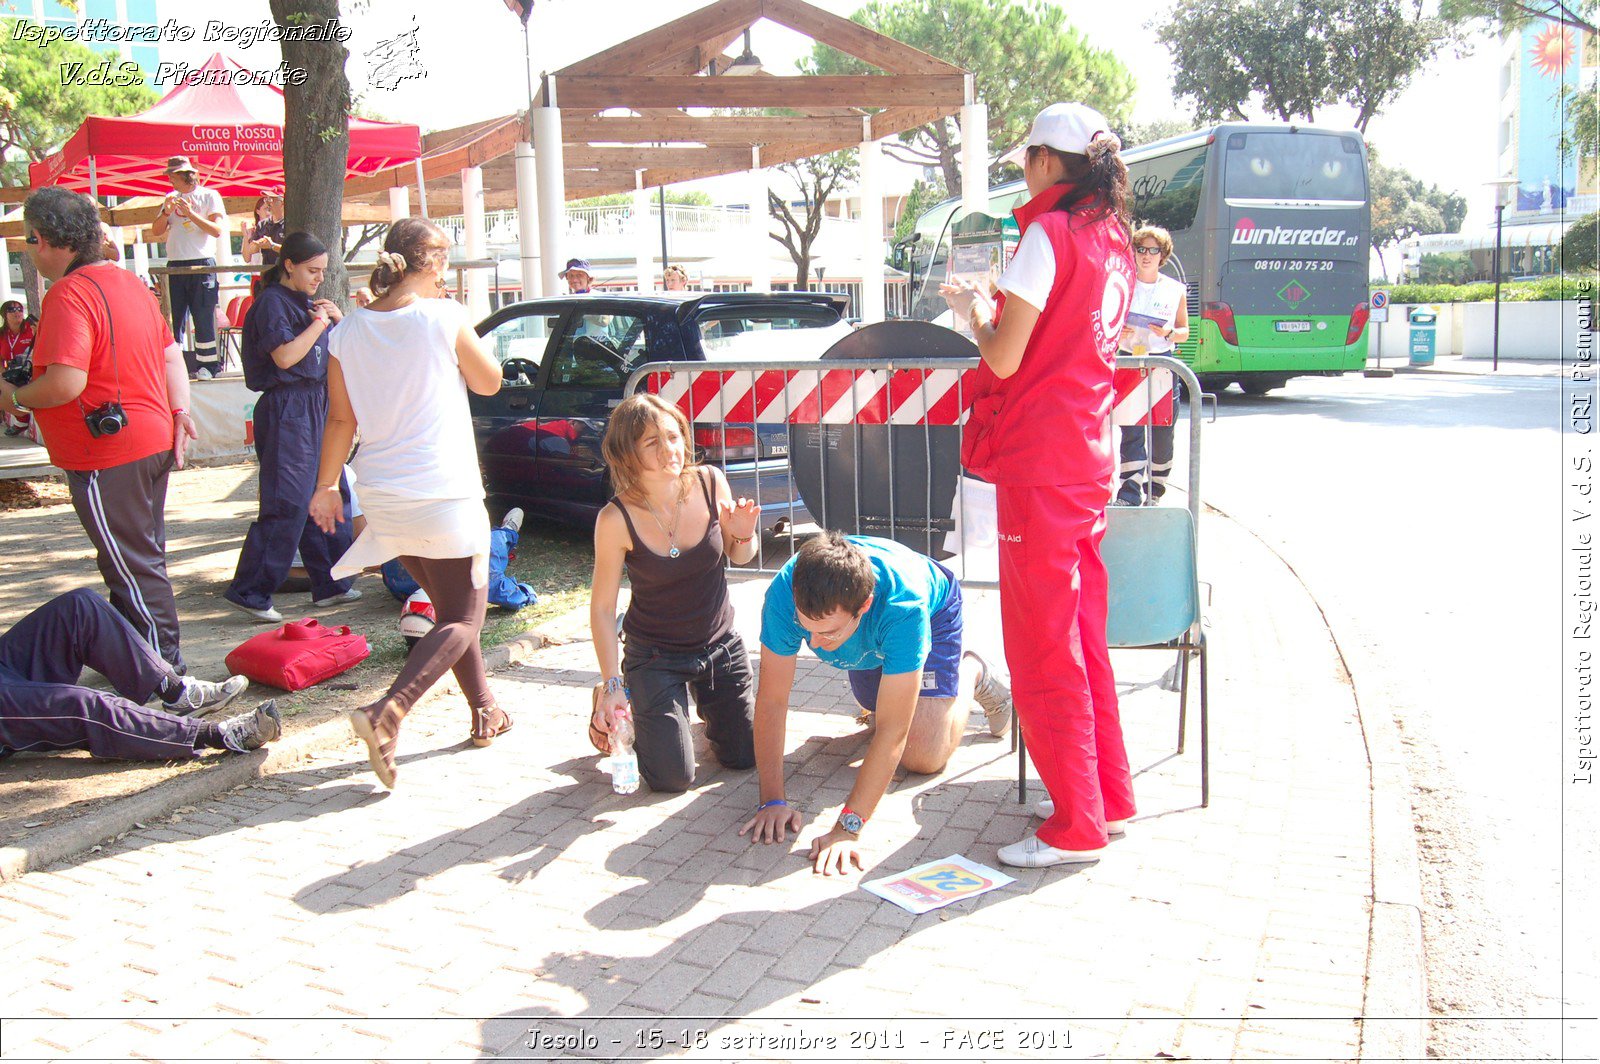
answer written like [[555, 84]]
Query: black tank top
[[680, 603]]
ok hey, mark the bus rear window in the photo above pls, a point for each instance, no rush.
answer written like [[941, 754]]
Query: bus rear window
[[1293, 166]]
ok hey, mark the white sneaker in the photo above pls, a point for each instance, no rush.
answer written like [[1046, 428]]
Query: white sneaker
[[1045, 808], [512, 519], [203, 374], [338, 600], [266, 616], [203, 696], [1031, 853]]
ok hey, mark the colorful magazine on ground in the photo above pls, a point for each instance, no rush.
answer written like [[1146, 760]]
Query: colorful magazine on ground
[[938, 883]]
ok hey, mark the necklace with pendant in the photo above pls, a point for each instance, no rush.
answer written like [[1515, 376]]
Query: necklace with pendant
[[670, 533]]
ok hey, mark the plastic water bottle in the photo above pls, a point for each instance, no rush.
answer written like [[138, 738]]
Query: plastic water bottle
[[624, 761]]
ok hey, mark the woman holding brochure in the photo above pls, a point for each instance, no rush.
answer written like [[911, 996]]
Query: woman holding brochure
[[1158, 321]]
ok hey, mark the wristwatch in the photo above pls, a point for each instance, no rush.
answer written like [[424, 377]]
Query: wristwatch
[[851, 820]]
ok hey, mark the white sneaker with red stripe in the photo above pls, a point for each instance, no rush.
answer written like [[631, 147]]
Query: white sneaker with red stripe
[[417, 617]]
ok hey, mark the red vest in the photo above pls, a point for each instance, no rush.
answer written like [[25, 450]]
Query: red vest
[[1050, 422]]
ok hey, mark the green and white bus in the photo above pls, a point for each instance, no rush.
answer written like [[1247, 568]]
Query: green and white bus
[[1270, 227]]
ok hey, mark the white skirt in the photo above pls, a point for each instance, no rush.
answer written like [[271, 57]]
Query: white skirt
[[422, 528]]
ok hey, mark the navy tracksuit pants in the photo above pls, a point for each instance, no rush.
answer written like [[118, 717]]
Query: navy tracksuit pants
[[195, 296], [288, 428], [43, 708]]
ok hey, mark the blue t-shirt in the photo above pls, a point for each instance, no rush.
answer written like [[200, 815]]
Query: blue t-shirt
[[895, 633], [277, 316]]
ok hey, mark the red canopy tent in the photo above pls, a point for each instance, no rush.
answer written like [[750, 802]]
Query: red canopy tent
[[232, 132]]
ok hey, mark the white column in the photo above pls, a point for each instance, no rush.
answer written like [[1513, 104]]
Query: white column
[[644, 251], [399, 202], [975, 157], [477, 241], [528, 221], [141, 258], [552, 189], [760, 225], [871, 308], [5, 270]]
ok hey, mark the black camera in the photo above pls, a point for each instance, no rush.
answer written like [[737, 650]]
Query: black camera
[[18, 373], [107, 419]]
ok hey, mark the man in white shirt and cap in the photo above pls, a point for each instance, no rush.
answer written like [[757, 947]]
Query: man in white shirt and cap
[[191, 222]]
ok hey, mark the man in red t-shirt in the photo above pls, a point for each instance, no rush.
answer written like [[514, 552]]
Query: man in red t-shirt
[[111, 394]]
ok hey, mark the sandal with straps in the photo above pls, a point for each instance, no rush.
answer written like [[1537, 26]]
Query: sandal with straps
[[381, 736], [485, 725]]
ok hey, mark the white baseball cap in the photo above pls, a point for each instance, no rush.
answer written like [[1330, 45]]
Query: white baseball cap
[[1067, 127]]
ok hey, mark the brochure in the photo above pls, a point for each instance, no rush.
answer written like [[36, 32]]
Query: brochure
[[936, 884]]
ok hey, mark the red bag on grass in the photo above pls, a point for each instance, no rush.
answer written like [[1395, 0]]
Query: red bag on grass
[[298, 655]]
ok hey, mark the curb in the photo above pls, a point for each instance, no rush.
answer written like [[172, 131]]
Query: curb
[[1394, 1012], [225, 773]]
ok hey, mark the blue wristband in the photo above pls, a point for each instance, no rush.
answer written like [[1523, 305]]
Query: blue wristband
[[773, 802]]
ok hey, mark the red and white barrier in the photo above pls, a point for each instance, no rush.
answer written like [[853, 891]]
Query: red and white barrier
[[1143, 397], [808, 397]]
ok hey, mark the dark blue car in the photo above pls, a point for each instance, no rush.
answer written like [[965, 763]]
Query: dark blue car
[[566, 360]]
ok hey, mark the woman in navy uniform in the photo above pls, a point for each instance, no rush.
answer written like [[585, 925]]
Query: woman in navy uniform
[[285, 356]]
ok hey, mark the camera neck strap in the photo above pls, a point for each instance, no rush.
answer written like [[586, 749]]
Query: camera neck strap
[[111, 326]]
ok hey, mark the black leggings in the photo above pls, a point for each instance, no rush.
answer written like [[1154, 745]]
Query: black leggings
[[453, 642], [659, 682]]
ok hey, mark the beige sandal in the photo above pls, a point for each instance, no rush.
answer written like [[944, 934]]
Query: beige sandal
[[380, 742]]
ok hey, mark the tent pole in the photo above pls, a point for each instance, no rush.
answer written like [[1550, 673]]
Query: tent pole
[[422, 189], [94, 182]]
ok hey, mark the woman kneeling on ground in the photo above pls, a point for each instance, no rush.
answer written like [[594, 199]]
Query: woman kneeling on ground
[[670, 525], [400, 371]]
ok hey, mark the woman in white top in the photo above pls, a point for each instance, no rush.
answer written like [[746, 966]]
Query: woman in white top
[[1155, 296], [400, 370]]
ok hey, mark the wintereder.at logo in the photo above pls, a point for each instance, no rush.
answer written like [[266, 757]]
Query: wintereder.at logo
[[1245, 231]]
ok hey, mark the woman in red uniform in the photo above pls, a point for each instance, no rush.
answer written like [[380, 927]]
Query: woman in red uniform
[[16, 346], [1041, 432]]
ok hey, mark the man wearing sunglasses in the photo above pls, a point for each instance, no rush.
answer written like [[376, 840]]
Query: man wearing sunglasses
[[891, 618]]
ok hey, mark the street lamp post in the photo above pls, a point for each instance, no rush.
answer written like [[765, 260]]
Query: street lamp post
[[1499, 222], [1499, 185]]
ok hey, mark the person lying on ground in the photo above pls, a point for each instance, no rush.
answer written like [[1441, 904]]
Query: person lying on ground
[[891, 618], [44, 708]]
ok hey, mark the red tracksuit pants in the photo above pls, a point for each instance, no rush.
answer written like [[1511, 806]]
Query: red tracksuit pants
[[1053, 592]]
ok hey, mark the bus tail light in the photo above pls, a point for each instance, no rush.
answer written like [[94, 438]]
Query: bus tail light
[[1358, 323], [725, 445], [1222, 315]]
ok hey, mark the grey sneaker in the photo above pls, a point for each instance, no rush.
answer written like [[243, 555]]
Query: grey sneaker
[[251, 731], [512, 519], [992, 693], [266, 616], [203, 696], [338, 600]]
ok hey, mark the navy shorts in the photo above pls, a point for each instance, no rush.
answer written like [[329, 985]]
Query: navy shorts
[[941, 670]]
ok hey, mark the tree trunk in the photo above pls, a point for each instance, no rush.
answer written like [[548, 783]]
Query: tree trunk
[[32, 286], [316, 136]]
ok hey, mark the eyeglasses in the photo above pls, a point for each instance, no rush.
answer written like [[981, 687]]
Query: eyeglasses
[[1147, 251]]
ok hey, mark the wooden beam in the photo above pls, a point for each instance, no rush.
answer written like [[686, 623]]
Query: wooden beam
[[854, 39], [888, 90], [888, 122], [491, 143], [585, 157], [676, 37], [580, 128]]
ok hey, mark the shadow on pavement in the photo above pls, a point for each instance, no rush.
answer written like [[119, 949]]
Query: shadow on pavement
[[861, 925]]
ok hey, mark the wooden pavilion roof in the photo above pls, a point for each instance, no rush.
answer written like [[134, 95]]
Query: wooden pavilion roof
[[660, 104]]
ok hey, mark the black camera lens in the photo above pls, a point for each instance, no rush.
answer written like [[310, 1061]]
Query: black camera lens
[[110, 426]]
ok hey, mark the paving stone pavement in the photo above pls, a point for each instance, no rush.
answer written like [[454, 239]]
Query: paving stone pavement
[[504, 902]]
